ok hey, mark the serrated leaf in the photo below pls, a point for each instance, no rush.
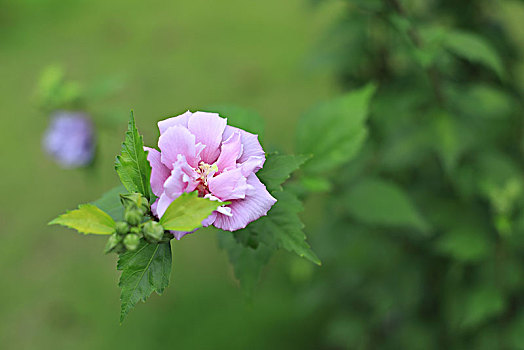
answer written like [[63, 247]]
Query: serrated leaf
[[474, 48], [111, 204], [278, 168], [247, 262], [187, 212], [383, 203], [282, 227], [87, 219], [251, 248], [334, 131], [131, 165], [144, 271]]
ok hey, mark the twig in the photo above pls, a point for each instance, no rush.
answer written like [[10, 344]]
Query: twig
[[417, 41]]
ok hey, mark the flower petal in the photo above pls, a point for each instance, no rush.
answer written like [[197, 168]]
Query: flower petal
[[230, 151], [178, 140], [252, 165], [208, 129], [179, 234], [180, 120], [247, 210], [183, 178], [250, 143], [209, 220], [162, 204], [153, 208], [159, 172], [229, 185]]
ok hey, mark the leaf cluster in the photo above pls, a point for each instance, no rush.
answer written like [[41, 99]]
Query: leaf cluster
[[142, 242], [422, 233]]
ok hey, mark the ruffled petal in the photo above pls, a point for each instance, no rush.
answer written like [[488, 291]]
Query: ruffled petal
[[252, 165], [180, 120], [230, 151], [159, 172], [178, 140], [183, 178], [251, 145], [247, 210], [229, 185], [208, 129]]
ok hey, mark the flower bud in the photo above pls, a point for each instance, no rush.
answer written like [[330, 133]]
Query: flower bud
[[153, 230], [112, 242], [135, 200], [136, 230], [122, 228], [133, 217], [131, 241]]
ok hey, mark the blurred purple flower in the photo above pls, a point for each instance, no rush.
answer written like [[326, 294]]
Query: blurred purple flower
[[69, 139]]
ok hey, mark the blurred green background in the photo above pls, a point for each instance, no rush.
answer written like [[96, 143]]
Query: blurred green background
[[420, 231], [58, 290]]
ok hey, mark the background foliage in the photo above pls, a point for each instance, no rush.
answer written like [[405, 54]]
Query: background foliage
[[425, 249], [413, 196]]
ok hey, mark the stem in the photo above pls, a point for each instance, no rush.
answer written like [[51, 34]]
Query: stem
[[414, 36]]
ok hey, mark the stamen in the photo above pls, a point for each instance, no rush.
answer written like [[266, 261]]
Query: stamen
[[204, 170]]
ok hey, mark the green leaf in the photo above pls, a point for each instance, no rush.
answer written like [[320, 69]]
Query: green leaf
[[56, 92], [247, 262], [515, 331], [187, 212], [334, 131], [383, 203], [87, 219], [474, 48], [470, 308], [251, 248], [450, 141], [144, 271], [278, 168], [316, 184], [282, 226], [465, 243], [111, 204], [482, 101], [132, 165]]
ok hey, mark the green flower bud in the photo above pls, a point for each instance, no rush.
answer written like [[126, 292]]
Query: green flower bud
[[122, 228], [136, 230], [112, 243], [153, 230], [131, 241], [135, 200], [133, 217], [145, 206]]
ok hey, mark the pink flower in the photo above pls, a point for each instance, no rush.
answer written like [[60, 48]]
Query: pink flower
[[200, 152]]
